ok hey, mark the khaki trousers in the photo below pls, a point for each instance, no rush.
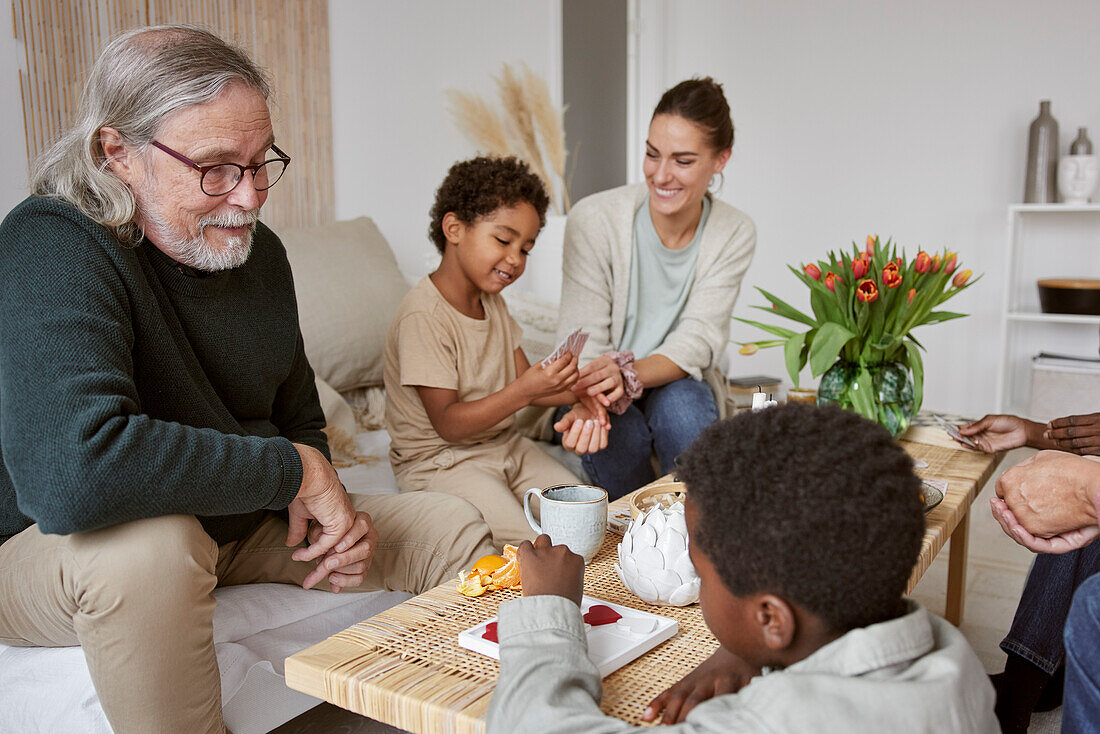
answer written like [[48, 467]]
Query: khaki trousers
[[137, 596], [492, 477]]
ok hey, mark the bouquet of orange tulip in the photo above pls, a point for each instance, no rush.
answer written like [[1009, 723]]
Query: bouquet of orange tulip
[[864, 307]]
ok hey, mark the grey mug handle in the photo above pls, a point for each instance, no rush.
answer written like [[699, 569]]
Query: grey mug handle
[[527, 510]]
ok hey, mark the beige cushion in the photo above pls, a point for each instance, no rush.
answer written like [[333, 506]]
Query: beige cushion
[[349, 287]]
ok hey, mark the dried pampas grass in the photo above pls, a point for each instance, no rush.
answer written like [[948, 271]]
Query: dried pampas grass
[[477, 121], [530, 127], [549, 120]]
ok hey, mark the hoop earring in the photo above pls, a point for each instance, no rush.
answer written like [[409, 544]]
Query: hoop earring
[[721, 175]]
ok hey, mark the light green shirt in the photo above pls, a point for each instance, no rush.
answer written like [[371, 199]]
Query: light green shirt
[[660, 282]]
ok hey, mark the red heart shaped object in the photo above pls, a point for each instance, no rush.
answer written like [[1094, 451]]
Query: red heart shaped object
[[601, 614], [491, 632]]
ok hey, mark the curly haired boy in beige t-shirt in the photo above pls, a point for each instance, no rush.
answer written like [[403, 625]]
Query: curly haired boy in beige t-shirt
[[455, 374]]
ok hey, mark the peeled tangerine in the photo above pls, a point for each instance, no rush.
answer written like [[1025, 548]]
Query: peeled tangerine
[[653, 558], [490, 573]]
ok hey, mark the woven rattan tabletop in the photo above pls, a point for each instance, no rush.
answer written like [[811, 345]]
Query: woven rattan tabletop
[[404, 666]]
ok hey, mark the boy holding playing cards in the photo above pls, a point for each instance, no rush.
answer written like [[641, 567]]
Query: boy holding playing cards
[[454, 372]]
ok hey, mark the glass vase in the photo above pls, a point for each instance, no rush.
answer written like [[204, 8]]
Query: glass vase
[[891, 402]]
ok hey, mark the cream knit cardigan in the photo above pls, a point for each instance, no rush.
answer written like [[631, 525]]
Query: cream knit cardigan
[[596, 279]]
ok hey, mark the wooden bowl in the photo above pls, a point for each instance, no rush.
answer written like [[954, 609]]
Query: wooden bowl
[[1070, 295], [665, 493]]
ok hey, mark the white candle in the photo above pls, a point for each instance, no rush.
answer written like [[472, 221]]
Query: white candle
[[759, 401]]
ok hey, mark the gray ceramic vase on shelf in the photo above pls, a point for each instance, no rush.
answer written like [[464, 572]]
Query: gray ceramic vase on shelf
[[1081, 145], [1041, 185]]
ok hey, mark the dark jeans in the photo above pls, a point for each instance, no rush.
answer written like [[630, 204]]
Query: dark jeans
[[1081, 702], [1036, 633], [665, 420]]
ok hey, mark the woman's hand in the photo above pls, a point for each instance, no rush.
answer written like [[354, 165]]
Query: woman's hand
[[721, 673], [601, 379], [1002, 432], [581, 431], [1077, 433]]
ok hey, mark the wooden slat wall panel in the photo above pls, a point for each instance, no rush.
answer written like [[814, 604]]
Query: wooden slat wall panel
[[289, 38]]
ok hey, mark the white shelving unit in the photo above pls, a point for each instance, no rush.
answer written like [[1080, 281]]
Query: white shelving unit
[[1044, 241]]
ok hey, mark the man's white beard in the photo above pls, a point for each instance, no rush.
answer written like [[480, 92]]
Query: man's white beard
[[194, 251]]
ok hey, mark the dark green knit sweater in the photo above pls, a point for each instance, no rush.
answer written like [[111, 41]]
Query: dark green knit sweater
[[133, 387]]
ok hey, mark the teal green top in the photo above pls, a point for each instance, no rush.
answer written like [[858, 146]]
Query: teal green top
[[132, 386], [664, 277]]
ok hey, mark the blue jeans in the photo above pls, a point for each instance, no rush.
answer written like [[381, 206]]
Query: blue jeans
[[665, 420], [1081, 702], [1036, 633]]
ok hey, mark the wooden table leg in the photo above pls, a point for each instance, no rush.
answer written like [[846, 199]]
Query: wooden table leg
[[956, 571]]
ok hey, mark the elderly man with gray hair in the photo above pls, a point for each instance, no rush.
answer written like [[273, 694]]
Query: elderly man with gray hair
[[160, 431]]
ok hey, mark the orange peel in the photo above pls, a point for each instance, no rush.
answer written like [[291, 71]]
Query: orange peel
[[490, 573]]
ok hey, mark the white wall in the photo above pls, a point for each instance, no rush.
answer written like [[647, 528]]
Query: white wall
[[391, 62], [13, 148], [902, 119]]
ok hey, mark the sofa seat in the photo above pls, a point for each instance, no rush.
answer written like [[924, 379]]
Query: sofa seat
[[48, 690]]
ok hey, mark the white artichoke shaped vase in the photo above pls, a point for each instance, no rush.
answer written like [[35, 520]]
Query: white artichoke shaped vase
[[653, 558]]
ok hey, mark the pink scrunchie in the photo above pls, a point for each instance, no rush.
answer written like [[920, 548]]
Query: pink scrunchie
[[632, 386]]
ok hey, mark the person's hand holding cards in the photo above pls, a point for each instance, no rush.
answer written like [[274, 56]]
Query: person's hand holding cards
[[994, 433], [953, 431], [573, 343], [549, 378]]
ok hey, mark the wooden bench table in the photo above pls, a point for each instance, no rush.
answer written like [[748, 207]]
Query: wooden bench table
[[404, 666]]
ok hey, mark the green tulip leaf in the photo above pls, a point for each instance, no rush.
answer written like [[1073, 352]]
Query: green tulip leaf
[[785, 309], [777, 330], [863, 397], [916, 366], [792, 354], [938, 317], [830, 339]]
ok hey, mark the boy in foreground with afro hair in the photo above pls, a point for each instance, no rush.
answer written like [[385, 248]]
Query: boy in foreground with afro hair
[[804, 524]]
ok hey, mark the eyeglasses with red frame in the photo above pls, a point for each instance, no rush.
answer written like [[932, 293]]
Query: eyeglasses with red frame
[[221, 178]]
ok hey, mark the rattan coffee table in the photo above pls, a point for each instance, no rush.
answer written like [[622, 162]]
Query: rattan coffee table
[[404, 666]]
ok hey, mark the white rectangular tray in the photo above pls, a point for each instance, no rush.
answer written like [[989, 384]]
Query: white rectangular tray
[[610, 646]]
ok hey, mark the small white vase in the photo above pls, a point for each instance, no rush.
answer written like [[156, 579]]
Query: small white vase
[[653, 558]]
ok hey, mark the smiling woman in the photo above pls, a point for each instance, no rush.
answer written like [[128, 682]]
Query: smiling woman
[[652, 272]]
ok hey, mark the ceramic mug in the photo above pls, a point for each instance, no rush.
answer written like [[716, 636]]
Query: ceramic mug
[[572, 514]]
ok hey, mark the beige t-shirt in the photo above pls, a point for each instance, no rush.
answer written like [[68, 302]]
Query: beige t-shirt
[[431, 344]]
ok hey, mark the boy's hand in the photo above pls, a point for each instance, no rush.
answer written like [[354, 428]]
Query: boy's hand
[[542, 382], [601, 379], [721, 673], [581, 431], [548, 569]]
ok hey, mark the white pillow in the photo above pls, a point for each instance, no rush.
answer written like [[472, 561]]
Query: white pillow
[[349, 288]]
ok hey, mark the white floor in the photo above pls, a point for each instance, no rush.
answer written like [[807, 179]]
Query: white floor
[[996, 571]]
